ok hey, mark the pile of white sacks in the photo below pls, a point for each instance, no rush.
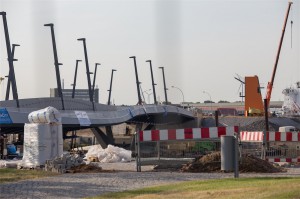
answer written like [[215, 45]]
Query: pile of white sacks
[[43, 138], [109, 155]]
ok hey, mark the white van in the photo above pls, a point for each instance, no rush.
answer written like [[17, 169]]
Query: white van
[[284, 129]]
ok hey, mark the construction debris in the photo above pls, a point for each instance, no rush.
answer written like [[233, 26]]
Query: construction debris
[[63, 163], [212, 163]]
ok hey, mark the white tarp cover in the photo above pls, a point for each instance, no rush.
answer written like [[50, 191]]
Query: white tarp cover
[[41, 142], [46, 115], [109, 155]]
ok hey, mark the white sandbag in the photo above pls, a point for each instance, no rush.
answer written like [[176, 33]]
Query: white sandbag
[[46, 115], [41, 142]]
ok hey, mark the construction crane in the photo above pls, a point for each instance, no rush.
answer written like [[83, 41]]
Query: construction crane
[[270, 84]]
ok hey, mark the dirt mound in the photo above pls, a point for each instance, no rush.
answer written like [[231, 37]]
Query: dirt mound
[[250, 163], [212, 163], [86, 168]]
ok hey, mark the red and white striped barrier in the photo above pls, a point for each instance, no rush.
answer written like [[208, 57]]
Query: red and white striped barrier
[[188, 133], [283, 159], [251, 136], [271, 136], [285, 137]]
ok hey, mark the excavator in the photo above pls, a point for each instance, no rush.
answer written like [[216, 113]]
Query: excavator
[[253, 99]]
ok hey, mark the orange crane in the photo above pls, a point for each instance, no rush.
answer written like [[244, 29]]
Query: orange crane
[[270, 84]]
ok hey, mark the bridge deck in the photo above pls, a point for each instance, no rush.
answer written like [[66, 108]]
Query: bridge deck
[[103, 115]]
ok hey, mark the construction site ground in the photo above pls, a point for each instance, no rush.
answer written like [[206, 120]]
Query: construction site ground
[[82, 185]]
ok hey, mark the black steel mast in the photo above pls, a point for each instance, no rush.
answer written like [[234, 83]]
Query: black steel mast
[[56, 63], [110, 88], [10, 60], [95, 79], [153, 84], [137, 81], [87, 68], [165, 88], [75, 77], [9, 73]]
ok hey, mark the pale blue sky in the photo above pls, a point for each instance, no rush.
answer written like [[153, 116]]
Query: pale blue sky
[[201, 44]]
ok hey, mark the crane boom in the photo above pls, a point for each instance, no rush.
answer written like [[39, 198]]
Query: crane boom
[[270, 84]]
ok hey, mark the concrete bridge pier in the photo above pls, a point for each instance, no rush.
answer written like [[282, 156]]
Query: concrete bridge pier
[[104, 138]]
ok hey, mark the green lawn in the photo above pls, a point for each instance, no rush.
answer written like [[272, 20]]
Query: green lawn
[[225, 188], [11, 175]]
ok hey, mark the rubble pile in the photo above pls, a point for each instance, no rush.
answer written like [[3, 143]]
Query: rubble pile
[[63, 163], [212, 163]]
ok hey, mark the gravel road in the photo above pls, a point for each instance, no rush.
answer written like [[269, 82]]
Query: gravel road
[[81, 185]]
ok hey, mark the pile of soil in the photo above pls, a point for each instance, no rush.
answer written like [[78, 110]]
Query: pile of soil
[[86, 168], [212, 163], [250, 163]]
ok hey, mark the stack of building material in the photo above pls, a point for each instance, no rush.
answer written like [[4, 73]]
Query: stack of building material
[[63, 163], [43, 138]]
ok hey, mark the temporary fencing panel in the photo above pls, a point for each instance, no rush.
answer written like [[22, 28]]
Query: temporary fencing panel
[[165, 146], [272, 146]]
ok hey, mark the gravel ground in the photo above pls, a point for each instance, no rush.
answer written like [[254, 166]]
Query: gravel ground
[[81, 185]]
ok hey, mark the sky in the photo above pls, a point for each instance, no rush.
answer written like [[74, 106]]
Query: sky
[[202, 45]]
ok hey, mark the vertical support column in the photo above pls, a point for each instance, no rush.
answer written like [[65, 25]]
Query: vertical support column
[[266, 119], [158, 150], [236, 157], [263, 150], [217, 118], [137, 148]]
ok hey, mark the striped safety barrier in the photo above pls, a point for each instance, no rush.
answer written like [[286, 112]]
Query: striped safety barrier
[[283, 159], [188, 133], [287, 136], [253, 136]]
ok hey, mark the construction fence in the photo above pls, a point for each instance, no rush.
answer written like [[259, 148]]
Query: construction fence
[[271, 146], [156, 147], [173, 146]]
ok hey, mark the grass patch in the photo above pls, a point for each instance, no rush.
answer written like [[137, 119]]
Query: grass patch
[[12, 175], [225, 188]]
